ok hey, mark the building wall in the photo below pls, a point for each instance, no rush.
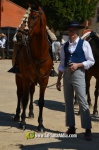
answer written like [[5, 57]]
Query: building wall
[[94, 23], [11, 14]]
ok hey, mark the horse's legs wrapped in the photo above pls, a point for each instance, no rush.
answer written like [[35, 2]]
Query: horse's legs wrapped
[[25, 99], [41, 105], [96, 93], [19, 97], [31, 92]]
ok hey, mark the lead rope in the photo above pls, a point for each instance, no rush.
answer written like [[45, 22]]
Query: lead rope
[[51, 85]]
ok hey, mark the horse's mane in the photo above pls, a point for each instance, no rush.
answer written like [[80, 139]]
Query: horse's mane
[[91, 35], [85, 35], [24, 20]]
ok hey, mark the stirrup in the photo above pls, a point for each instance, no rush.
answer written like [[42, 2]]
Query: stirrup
[[14, 69], [53, 73]]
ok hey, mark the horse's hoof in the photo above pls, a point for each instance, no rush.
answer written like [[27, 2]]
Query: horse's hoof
[[31, 115], [40, 128], [22, 126], [95, 113], [16, 118]]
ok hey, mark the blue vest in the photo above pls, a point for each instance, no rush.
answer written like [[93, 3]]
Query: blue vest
[[77, 56]]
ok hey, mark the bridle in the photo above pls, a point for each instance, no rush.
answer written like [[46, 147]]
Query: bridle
[[27, 33], [34, 15]]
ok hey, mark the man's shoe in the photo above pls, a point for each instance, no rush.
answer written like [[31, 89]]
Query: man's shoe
[[88, 135], [71, 130]]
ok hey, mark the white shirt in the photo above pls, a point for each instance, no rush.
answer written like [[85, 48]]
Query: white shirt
[[72, 46], [2, 42]]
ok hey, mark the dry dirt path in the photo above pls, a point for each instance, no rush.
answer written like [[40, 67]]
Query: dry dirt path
[[13, 138]]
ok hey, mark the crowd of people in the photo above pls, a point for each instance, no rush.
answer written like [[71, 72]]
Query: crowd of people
[[2, 45]]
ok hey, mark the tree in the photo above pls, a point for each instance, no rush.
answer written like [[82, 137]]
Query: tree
[[60, 12]]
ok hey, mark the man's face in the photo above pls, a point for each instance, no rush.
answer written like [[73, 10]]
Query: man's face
[[72, 32]]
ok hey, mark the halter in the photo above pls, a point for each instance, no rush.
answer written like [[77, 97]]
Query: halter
[[38, 62], [33, 17]]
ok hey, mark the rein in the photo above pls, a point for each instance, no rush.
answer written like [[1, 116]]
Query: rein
[[51, 85], [39, 62], [35, 62]]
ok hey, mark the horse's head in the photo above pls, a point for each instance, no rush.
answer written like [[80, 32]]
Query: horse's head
[[93, 38], [33, 22], [36, 20]]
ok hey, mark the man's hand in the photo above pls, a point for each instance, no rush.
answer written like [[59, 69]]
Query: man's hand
[[58, 85], [75, 66]]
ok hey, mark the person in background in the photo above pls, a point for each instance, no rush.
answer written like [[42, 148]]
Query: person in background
[[0, 46], [56, 50], [75, 56], [2, 43], [62, 41]]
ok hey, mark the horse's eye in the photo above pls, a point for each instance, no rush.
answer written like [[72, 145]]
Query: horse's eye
[[33, 17]]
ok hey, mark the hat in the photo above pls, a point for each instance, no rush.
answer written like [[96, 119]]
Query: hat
[[74, 24]]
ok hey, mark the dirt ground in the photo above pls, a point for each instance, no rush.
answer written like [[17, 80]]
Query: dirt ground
[[13, 138]]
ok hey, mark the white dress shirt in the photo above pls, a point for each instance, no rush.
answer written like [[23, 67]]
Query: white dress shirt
[[72, 46], [0, 43], [3, 42]]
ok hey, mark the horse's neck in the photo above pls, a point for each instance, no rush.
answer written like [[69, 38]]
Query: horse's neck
[[39, 44]]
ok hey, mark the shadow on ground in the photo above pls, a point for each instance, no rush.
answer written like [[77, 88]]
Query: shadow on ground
[[6, 120], [53, 105]]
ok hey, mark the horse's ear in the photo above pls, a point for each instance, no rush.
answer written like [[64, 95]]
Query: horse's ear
[[34, 4], [29, 5]]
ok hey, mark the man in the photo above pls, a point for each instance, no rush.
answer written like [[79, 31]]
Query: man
[[2, 43], [75, 56]]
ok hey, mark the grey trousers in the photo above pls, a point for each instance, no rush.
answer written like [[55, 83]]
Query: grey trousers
[[75, 81]]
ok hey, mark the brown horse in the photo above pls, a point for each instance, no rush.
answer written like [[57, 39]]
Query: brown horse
[[93, 38], [32, 57]]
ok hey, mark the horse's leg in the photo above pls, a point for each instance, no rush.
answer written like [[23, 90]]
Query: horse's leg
[[19, 96], [32, 90], [88, 78], [41, 105], [75, 100], [95, 111], [25, 99]]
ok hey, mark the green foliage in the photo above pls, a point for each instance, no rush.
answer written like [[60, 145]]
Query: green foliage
[[60, 12]]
